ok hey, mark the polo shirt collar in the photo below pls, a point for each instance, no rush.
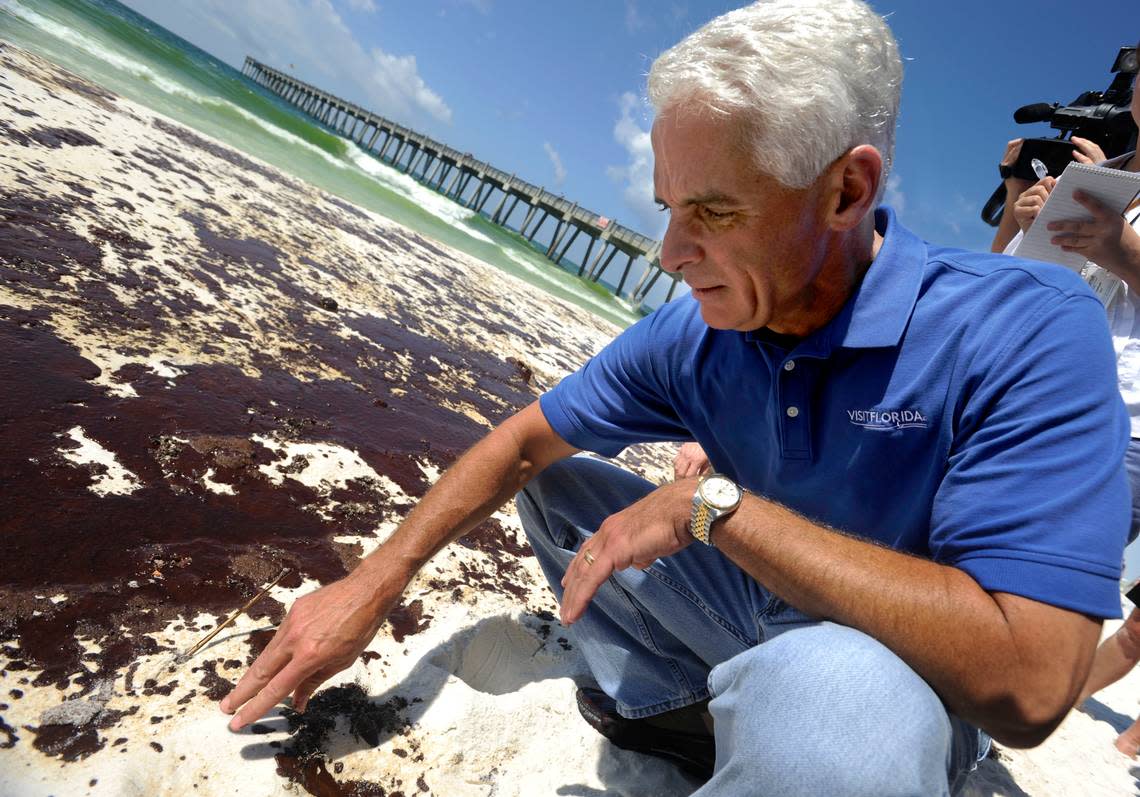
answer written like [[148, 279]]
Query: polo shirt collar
[[877, 313]]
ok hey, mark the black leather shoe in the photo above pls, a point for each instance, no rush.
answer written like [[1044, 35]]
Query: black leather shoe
[[694, 753]]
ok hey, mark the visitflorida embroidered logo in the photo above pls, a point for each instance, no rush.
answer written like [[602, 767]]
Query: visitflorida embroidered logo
[[886, 420]]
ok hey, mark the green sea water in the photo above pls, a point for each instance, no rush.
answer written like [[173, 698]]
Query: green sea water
[[115, 47]]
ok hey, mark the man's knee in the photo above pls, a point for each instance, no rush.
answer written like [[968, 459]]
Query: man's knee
[[827, 709], [1129, 636], [548, 493], [577, 491]]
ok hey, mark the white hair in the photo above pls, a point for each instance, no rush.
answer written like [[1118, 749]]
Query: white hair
[[808, 79]]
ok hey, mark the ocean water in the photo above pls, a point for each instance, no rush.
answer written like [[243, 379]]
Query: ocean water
[[112, 45]]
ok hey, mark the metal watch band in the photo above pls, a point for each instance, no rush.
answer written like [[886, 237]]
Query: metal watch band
[[701, 523]]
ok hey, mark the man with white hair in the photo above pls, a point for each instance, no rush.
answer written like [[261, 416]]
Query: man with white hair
[[919, 507]]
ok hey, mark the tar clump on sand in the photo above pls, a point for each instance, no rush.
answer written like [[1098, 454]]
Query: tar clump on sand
[[370, 723]]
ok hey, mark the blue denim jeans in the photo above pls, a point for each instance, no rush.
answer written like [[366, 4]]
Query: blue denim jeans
[[800, 706]]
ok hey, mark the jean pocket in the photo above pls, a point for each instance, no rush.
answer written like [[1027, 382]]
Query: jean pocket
[[779, 612], [568, 537]]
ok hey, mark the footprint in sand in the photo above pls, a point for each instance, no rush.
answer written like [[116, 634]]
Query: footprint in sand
[[505, 653]]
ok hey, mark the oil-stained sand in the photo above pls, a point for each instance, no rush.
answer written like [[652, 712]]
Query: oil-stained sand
[[213, 371]]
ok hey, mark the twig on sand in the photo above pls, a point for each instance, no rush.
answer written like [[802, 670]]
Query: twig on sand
[[202, 642]]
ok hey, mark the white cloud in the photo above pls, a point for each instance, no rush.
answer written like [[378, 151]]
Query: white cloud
[[482, 6], [311, 40], [395, 78], [637, 174], [633, 19], [893, 194], [962, 214], [367, 6], [556, 162]]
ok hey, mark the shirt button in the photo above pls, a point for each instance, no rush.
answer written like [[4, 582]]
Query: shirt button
[[793, 412], [790, 365]]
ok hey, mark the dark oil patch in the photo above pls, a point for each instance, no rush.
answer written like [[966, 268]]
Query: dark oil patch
[[76, 742], [51, 77], [9, 735], [53, 138], [20, 111], [190, 550], [231, 156], [127, 247], [56, 137], [214, 686], [408, 619], [170, 163], [314, 777], [37, 247], [304, 760]]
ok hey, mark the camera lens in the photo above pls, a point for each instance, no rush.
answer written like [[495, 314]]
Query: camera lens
[[1128, 62]]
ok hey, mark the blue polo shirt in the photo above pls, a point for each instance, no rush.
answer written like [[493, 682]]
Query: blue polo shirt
[[961, 407]]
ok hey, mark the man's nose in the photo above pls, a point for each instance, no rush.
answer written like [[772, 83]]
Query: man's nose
[[678, 248]]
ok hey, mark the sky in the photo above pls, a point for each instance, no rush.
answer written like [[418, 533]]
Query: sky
[[554, 92]]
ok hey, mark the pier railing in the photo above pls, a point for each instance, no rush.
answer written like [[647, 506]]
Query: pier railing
[[472, 183]]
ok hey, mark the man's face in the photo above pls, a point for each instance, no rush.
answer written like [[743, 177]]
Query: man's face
[[751, 249]]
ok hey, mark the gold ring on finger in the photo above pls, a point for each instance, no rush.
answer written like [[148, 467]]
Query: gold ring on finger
[[589, 557]]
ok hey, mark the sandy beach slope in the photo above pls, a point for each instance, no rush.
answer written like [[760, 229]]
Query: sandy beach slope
[[213, 371]]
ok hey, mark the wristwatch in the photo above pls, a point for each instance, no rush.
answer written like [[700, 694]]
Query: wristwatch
[[716, 496]]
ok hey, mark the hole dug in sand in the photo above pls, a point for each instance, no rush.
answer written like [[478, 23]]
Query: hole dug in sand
[[503, 654]]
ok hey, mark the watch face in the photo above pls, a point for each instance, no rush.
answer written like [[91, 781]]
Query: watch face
[[721, 492]]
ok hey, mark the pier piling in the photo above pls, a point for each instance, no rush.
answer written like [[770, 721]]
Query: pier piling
[[472, 183]]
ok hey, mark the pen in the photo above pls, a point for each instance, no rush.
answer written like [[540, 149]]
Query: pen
[[1039, 168]]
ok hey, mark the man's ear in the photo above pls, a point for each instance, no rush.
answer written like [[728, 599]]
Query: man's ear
[[855, 178]]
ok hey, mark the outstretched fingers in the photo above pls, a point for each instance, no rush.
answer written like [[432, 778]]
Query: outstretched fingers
[[280, 687], [271, 661]]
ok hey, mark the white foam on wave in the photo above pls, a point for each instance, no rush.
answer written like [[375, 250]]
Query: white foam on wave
[[452, 213], [143, 72], [458, 217], [545, 277], [276, 131], [94, 48]]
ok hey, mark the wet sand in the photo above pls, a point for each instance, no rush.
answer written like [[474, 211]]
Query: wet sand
[[213, 371]]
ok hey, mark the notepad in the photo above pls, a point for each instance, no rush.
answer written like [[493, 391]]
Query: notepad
[[1114, 188]]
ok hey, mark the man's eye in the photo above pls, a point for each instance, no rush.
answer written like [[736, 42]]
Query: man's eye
[[661, 206], [715, 215]]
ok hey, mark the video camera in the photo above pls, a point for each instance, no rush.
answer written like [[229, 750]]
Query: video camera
[[1104, 118]]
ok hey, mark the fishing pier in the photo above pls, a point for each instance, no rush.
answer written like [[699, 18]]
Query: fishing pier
[[480, 187]]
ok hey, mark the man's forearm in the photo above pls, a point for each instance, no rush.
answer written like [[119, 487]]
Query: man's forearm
[[325, 631], [479, 482], [1011, 675]]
